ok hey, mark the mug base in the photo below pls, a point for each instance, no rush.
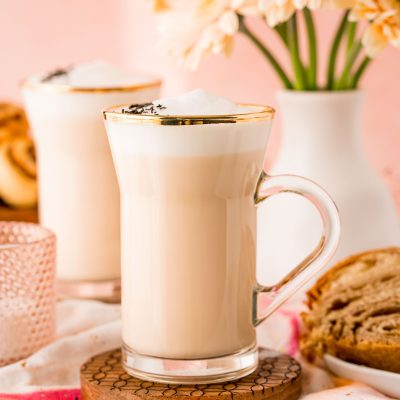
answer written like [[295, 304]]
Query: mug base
[[200, 371], [104, 290]]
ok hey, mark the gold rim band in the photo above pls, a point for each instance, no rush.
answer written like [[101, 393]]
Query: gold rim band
[[256, 113], [54, 87]]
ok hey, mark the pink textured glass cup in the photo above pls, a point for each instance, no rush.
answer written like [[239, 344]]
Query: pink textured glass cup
[[27, 289]]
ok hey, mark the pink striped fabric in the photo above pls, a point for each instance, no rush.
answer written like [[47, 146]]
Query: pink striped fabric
[[72, 394]]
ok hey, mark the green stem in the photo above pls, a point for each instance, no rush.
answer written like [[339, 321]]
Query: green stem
[[282, 32], [312, 49], [351, 34], [300, 82], [334, 51], [268, 55], [344, 80], [359, 72]]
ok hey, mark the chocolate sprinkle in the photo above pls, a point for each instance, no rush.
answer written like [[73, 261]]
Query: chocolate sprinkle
[[143, 109], [56, 73]]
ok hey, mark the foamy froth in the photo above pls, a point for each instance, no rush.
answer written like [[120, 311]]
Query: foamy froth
[[93, 74], [199, 102]]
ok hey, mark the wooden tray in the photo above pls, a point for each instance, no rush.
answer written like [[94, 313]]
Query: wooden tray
[[278, 376]]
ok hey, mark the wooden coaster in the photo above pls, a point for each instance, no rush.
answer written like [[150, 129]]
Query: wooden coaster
[[278, 376]]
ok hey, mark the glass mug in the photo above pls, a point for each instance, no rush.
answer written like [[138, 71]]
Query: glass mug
[[79, 196], [189, 186]]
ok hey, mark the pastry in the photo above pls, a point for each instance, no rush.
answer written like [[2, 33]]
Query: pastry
[[354, 311], [18, 186], [13, 122]]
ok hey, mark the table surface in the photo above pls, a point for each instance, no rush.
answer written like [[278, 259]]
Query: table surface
[[12, 214]]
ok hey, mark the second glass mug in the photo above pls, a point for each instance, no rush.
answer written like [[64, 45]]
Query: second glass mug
[[189, 186]]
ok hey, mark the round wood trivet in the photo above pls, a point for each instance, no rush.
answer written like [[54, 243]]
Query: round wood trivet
[[278, 376]]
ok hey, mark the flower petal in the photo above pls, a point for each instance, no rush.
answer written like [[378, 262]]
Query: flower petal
[[374, 40], [229, 23]]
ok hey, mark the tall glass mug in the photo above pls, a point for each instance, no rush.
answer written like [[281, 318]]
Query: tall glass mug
[[79, 196], [189, 190]]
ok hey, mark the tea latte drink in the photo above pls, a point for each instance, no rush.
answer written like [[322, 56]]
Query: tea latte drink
[[188, 170], [79, 196]]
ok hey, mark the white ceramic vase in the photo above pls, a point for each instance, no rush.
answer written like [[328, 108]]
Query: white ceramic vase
[[321, 140]]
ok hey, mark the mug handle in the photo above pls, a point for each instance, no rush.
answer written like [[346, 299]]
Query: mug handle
[[268, 186]]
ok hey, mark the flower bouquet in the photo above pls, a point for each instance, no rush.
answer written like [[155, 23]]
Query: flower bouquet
[[192, 29], [320, 110]]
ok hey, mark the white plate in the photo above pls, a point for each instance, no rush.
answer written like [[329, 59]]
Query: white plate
[[384, 381]]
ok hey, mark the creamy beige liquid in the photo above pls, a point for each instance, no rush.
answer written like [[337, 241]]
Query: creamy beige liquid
[[79, 197], [78, 188], [188, 249]]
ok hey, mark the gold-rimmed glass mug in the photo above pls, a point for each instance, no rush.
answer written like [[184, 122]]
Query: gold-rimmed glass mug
[[189, 190]]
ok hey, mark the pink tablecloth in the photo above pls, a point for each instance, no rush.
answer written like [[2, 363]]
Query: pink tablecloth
[[86, 328], [68, 394]]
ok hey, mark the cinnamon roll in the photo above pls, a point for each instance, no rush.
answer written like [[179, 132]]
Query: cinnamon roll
[[18, 186], [13, 122]]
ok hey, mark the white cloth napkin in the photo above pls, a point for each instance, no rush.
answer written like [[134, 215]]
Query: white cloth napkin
[[86, 328]]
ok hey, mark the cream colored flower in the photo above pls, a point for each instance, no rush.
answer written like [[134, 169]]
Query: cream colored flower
[[160, 5], [164, 5], [278, 11], [246, 7], [365, 9], [381, 32], [384, 26], [332, 4], [192, 29]]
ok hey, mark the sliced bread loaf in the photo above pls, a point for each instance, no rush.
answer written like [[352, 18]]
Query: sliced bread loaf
[[355, 311]]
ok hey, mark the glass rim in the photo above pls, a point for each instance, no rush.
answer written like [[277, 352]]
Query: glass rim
[[257, 112], [47, 234], [65, 88]]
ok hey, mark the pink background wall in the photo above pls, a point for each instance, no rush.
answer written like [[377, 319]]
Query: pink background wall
[[45, 34]]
